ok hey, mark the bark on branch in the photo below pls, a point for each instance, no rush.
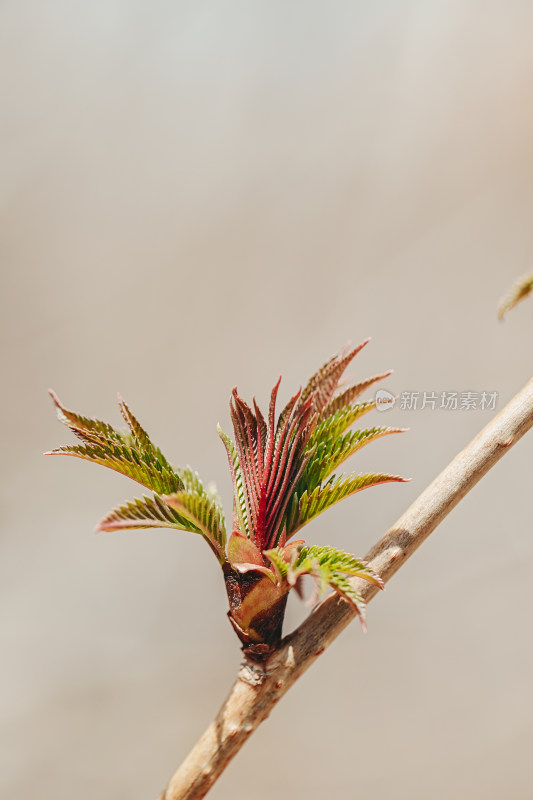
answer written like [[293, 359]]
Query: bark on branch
[[258, 688]]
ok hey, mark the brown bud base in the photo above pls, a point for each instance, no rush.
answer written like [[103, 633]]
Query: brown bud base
[[257, 610]]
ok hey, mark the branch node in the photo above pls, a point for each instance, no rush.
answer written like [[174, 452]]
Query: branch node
[[252, 674]]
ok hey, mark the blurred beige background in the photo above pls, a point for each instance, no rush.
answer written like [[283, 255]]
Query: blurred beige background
[[195, 195]]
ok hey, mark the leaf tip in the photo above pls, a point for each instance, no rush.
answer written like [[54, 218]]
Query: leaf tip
[[57, 403]]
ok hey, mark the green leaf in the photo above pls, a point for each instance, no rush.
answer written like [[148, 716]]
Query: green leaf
[[343, 586], [133, 455], [309, 506], [139, 436], [334, 560], [192, 483], [332, 452], [143, 467], [147, 512], [239, 504], [339, 422], [331, 567], [86, 424], [190, 508], [205, 514], [276, 556]]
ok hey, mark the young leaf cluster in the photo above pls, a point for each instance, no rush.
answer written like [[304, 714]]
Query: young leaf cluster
[[180, 500], [285, 473], [329, 567]]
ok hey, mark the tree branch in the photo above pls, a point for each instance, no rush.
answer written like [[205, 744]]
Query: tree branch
[[258, 688]]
